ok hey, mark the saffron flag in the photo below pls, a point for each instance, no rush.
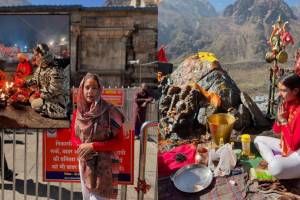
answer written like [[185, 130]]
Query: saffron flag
[[161, 55]]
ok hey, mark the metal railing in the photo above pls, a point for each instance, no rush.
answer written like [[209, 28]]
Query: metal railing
[[152, 111], [142, 160], [36, 189], [2, 165], [30, 185], [32, 159]]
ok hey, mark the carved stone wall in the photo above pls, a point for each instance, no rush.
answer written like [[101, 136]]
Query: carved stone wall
[[128, 2], [107, 41]]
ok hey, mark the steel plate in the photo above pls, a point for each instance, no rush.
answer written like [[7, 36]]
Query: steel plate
[[192, 178]]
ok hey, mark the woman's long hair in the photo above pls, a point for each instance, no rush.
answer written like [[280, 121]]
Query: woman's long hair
[[291, 81]]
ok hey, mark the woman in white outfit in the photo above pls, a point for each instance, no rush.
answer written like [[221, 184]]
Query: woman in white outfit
[[283, 155]]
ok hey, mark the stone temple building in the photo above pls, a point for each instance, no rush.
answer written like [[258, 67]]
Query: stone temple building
[[131, 2], [107, 40]]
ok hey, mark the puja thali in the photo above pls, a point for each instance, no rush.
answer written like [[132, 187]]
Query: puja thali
[[192, 178]]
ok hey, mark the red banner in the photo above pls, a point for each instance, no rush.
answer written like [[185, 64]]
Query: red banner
[[60, 162], [126, 155], [114, 96]]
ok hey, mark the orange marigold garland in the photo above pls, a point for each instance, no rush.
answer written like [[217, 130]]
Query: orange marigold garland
[[142, 186], [3, 78], [22, 95]]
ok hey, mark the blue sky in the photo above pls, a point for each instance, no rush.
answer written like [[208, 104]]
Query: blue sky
[[218, 4]]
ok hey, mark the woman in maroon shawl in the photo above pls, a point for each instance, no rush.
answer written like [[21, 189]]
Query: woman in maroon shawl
[[96, 130]]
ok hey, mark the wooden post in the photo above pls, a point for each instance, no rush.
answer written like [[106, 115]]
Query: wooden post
[[270, 92], [273, 89]]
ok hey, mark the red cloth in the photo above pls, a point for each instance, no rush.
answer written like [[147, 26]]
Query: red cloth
[[287, 38], [111, 145], [167, 163], [161, 55], [3, 77], [23, 69], [291, 131]]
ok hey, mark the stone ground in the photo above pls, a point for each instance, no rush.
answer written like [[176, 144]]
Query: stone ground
[[253, 80], [26, 117], [54, 187]]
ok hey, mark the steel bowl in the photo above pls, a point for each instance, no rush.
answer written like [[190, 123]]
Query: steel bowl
[[192, 178]]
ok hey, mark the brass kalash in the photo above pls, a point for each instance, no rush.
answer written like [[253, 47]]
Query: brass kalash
[[220, 126]]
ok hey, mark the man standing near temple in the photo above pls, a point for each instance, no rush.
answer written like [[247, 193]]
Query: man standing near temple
[[142, 99]]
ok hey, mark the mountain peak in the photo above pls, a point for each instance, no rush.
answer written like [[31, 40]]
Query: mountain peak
[[188, 7], [258, 11]]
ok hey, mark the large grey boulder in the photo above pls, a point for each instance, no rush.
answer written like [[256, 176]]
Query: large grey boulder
[[185, 104]]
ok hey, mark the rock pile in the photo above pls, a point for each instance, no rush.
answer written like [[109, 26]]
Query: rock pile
[[198, 88]]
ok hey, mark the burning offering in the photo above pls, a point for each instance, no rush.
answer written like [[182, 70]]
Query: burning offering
[[20, 98], [2, 99], [2, 78], [9, 88]]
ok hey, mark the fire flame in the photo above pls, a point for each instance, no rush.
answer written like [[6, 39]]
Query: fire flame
[[9, 85], [2, 96], [213, 98]]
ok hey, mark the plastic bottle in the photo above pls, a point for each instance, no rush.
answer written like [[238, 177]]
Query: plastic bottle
[[221, 142], [246, 139]]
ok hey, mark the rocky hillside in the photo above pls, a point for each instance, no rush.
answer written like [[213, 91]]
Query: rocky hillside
[[296, 10], [180, 23], [239, 34], [258, 11]]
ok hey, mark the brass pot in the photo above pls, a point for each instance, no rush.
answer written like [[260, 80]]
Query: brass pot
[[270, 57], [282, 56], [220, 126]]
